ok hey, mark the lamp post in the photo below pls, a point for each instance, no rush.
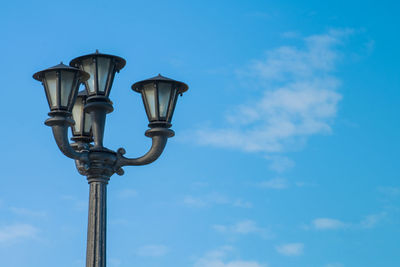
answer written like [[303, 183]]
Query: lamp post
[[85, 112]]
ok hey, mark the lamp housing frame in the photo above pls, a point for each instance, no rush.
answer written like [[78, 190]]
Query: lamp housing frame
[[79, 77], [115, 65], [176, 88], [82, 135]]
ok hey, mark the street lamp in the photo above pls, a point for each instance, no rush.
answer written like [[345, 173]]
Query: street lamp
[[85, 112]]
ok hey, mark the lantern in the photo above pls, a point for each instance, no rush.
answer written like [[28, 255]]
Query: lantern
[[159, 96], [61, 85], [82, 129], [102, 69]]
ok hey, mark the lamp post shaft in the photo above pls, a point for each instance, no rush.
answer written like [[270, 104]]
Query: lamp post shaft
[[99, 117], [96, 236]]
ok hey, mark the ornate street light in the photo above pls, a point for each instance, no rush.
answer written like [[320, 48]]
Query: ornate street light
[[86, 114]]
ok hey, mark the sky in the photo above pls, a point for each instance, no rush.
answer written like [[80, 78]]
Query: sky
[[286, 147]]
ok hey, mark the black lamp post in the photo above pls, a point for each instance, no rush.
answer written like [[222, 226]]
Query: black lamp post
[[86, 114]]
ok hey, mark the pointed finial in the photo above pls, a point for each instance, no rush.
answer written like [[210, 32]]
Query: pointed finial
[[97, 51]]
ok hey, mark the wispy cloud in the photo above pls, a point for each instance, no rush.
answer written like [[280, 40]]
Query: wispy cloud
[[220, 263], [242, 228], [290, 35], [242, 203], [214, 199], [367, 222], [152, 251], [27, 212], [276, 183], [280, 163], [372, 220], [206, 200], [290, 249], [217, 258], [280, 183], [17, 232], [328, 224], [299, 98]]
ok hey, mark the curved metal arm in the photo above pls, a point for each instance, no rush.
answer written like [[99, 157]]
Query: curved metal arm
[[159, 138], [60, 126]]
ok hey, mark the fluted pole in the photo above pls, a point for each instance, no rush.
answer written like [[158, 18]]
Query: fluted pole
[[96, 237]]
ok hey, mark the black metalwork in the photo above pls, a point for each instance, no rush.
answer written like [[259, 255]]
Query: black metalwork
[[97, 162]]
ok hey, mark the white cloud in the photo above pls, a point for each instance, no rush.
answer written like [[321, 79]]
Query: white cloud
[[290, 35], [368, 222], [299, 98], [206, 200], [303, 184], [282, 183], [291, 249], [242, 227], [17, 232], [214, 199], [219, 253], [280, 163], [217, 258], [27, 212], [328, 224], [194, 201], [242, 203], [372, 220], [152, 251], [220, 263], [276, 183]]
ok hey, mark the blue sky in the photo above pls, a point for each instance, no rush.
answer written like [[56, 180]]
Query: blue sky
[[286, 146]]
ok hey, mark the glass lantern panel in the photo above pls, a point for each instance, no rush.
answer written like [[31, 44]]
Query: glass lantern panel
[[172, 105], [89, 66], [67, 81], [77, 112], [150, 93], [51, 86], [88, 124], [103, 68], [164, 93]]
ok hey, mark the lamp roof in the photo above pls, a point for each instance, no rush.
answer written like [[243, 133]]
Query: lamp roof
[[39, 75], [119, 61], [182, 87]]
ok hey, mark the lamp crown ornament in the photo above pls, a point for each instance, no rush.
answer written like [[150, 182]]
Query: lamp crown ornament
[[85, 112]]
